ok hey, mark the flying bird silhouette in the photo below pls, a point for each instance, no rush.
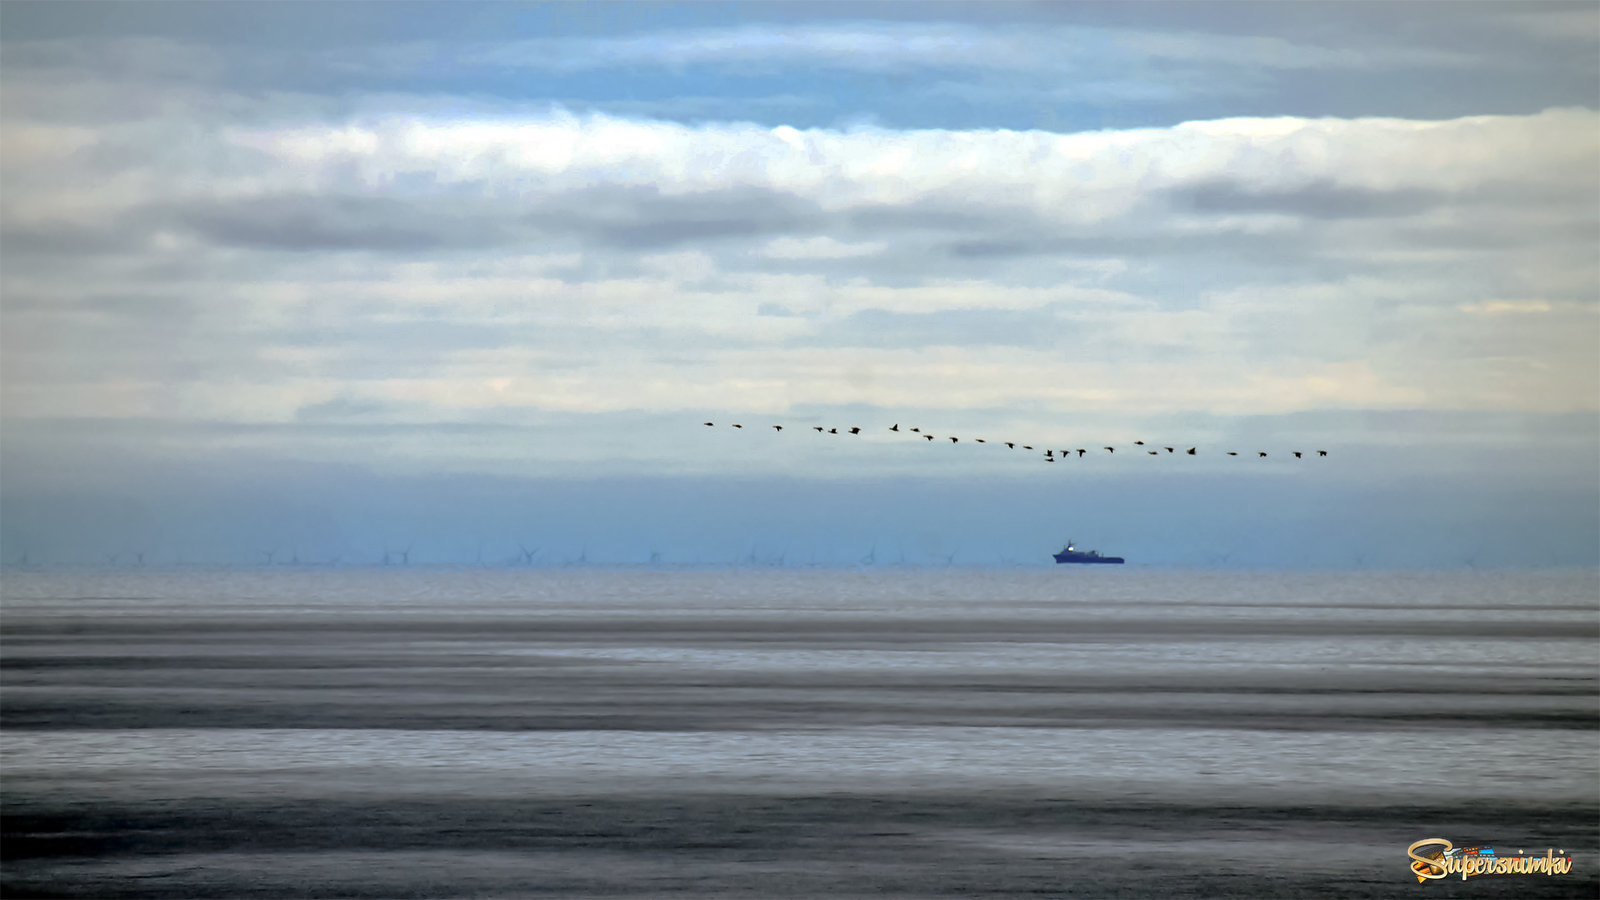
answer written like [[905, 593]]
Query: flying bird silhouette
[[1050, 454]]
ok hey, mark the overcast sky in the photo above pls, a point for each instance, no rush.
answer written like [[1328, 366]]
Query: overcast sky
[[327, 280]]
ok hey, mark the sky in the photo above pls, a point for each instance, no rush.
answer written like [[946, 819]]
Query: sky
[[330, 282]]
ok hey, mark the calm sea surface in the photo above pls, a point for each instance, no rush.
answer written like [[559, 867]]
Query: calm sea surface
[[754, 733]]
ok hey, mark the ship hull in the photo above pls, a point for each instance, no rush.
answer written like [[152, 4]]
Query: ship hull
[[1086, 559]]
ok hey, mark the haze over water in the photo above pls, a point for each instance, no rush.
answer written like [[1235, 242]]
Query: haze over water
[[765, 732]]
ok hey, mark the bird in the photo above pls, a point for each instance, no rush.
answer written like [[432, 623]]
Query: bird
[[1111, 449], [855, 431], [1152, 453], [738, 426], [928, 436], [833, 431], [1138, 443], [1297, 454], [953, 439], [1232, 453], [1169, 449], [1049, 454], [1080, 453], [1049, 458], [816, 428], [1011, 445], [1190, 451], [895, 427], [777, 428], [1322, 453], [980, 440], [917, 430], [1262, 453], [1027, 446], [710, 423]]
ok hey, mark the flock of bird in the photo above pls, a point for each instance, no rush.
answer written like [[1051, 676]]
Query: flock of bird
[[1050, 454]]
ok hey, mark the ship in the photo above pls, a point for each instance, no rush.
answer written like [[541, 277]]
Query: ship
[[1069, 555]]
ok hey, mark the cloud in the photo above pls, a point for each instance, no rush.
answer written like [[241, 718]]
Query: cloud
[[342, 408], [1504, 307], [406, 269], [1556, 22], [1067, 177], [1322, 201], [819, 247], [896, 46], [336, 222]]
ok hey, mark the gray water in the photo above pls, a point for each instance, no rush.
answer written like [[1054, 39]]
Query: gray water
[[880, 732]]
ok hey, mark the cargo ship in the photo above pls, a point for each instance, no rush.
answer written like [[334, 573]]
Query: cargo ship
[[1069, 555]]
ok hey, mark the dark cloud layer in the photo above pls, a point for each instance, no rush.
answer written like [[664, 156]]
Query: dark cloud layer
[[645, 218], [1323, 200], [333, 222]]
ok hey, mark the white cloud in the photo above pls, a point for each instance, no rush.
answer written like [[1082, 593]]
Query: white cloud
[[1504, 307], [1080, 177]]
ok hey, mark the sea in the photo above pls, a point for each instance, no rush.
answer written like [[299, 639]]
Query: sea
[[1108, 731]]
